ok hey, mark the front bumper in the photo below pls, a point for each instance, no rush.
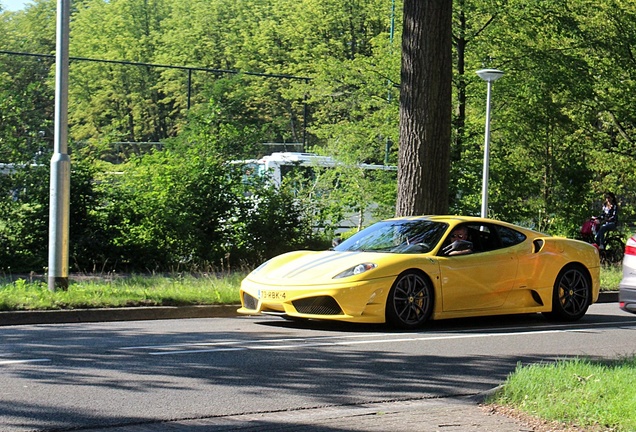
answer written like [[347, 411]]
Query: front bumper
[[359, 301]]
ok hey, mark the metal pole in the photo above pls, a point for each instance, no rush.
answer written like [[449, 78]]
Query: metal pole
[[488, 75], [189, 87], [305, 116], [484, 187], [60, 162]]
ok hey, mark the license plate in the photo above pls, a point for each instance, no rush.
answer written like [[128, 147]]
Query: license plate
[[272, 295]]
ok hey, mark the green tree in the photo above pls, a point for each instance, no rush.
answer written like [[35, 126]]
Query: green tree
[[112, 100], [26, 97], [540, 165], [606, 121], [24, 216]]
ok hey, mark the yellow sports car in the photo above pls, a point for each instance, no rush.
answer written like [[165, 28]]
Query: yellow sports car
[[405, 271]]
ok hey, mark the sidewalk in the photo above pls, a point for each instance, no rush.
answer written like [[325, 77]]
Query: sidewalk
[[426, 415]]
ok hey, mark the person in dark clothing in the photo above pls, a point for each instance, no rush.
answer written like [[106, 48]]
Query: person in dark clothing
[[608, 219], [460, 243]]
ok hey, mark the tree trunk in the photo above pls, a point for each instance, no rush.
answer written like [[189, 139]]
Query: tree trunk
[[425, 108]]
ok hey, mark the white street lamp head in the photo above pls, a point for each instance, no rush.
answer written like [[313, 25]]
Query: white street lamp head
[[489, 75]]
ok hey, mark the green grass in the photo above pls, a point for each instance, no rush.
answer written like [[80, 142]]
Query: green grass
[[121, 292], [583, 393], [143, 290], [610, 277]]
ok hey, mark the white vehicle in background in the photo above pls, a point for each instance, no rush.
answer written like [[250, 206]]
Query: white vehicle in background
[[277, 166], [11, 168], [7, 168], [627, 287]]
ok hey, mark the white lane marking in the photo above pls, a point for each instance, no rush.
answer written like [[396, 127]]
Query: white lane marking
[[200, 351], [8, 362], [274, 344], [149, 347], [362, 342], [238, 341]]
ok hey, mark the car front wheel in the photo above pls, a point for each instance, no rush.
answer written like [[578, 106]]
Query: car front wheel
[[410, 301], [572, 294]]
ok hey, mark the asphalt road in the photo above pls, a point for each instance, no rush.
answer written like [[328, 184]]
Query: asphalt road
[[264, 373]]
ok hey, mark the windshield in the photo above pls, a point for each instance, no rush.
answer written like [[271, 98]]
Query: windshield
[[397, 236]]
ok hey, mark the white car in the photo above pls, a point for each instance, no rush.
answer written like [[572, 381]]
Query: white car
[[627, 287]]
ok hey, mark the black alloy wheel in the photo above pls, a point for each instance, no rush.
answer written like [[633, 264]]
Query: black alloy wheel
[[410, 301], [572, 294]]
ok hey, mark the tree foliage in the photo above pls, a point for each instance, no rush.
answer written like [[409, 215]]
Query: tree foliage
[[234, 75]]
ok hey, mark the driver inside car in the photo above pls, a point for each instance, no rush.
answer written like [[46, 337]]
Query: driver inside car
[[460, 242]]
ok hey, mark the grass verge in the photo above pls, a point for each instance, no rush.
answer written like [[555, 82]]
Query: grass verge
[[611, 277], [144, 290], [589, 395], [130, 291]]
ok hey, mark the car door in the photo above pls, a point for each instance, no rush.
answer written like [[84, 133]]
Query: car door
[[482, 279]]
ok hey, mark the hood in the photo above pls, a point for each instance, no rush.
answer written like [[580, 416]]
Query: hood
[[314, 267]]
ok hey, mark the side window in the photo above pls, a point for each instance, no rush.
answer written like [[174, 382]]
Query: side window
[[483, 238], [510, 237]]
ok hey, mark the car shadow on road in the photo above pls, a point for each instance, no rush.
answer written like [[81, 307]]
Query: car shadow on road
[[523, 322]]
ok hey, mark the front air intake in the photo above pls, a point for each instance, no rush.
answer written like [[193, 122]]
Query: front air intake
[[249, 302], [322, 305]]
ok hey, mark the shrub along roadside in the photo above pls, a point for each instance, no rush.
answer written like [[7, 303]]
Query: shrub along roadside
[[170, 211]]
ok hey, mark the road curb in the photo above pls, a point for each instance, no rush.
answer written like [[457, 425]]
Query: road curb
[[608, 297], [116, 314], [149, 313]]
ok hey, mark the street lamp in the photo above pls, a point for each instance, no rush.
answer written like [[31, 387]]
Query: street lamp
[[490, 76]]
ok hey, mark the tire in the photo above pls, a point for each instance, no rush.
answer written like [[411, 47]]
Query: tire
[[572, 294], [613, 252], [410, 301]]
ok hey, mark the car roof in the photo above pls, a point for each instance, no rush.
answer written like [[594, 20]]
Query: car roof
[[456, 219], [446, 218]]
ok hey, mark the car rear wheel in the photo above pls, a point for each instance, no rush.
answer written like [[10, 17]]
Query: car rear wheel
[[410, 301], [572, 294]]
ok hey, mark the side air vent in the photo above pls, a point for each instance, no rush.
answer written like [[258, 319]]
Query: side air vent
[[538, 244], [536, 297], [322, 305], [249, 302]]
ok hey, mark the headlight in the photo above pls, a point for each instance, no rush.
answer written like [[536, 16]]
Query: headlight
[[356, 270]]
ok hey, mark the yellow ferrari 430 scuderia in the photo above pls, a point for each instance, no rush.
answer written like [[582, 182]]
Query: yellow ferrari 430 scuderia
[[405, 271]]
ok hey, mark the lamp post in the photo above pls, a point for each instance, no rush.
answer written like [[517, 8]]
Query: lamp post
[[60, 182], [490, 76]]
